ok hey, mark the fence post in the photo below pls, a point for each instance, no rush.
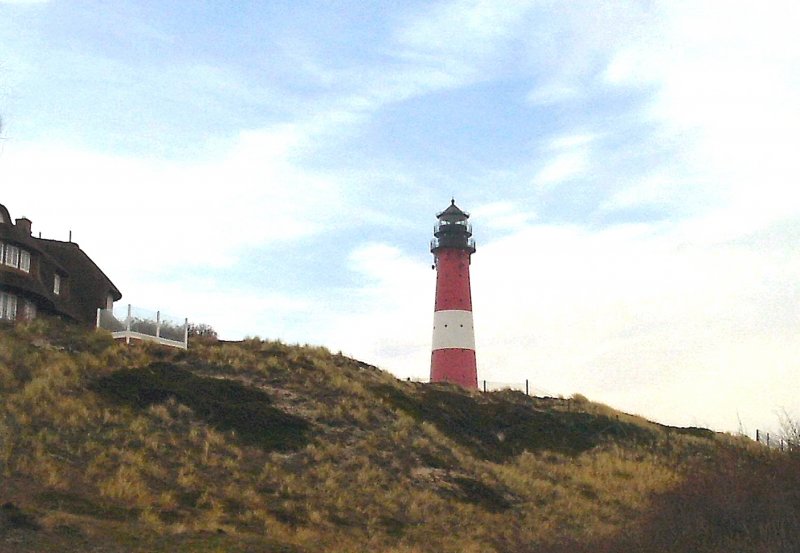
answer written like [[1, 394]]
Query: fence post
[[128, 326], [526, 387], [767, 439], [758, 436], [186, 333], [158, 324], [484, 386], [97, 323]]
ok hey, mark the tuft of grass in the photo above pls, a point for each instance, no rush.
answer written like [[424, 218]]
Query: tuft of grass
[[476, 492], [78, 504]]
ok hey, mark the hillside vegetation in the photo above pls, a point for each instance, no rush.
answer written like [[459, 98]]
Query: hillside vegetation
[[262, 446]]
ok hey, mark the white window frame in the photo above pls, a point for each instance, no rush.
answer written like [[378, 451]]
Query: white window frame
[[25, 261], [12, 256], [8, 306]]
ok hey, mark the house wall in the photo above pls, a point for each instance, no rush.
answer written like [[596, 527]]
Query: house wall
[[83, 286]]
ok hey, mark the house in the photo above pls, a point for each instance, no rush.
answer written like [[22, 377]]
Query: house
[[48, 276]]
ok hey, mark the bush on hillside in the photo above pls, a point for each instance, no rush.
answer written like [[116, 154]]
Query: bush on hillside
[[202, 331]]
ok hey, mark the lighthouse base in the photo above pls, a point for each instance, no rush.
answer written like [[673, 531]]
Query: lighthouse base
[[455, 365]]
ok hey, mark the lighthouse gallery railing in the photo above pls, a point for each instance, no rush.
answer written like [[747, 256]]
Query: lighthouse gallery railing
[[446, 241]]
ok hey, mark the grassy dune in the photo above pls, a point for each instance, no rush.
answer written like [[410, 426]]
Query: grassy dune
[[263, 446]]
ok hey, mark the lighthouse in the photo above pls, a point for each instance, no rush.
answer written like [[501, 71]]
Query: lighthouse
[[453, 349]]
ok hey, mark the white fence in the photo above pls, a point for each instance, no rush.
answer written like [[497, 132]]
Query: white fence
[[140, 324]]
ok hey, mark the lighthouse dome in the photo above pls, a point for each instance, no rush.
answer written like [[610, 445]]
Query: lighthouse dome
[[453, 213]]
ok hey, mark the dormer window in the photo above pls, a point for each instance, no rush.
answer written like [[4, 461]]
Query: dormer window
[[57, 284], [24, 261], [12, 256]]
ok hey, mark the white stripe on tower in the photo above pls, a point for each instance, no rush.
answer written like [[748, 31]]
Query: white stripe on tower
[[453, 329]]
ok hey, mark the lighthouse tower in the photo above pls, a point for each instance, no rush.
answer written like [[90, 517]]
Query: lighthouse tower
[[453, 355]]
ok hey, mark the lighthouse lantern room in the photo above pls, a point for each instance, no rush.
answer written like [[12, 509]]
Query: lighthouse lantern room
[[453, 349]]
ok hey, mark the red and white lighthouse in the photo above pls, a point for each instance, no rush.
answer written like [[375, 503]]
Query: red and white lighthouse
[[453, 355]]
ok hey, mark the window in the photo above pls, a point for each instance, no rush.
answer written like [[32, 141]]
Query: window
[[8, 306], [25, 261], [16, 257], [29, 310], [57, 284], [12, 256]]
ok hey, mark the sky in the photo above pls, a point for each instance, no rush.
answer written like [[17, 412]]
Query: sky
[[274, 169]]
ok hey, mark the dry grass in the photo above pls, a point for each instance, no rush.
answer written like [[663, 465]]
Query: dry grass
[[387, 466]]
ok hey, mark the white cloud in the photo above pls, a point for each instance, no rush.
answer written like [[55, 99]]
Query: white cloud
[[234, 312], [464, 30], [149, 216], [571, 141], [728, 97], [553, 93], [622, 68], [387, 321], [441, 47], [571, 159], [563, 167], [503, 215], [624, 314], [660, 189]]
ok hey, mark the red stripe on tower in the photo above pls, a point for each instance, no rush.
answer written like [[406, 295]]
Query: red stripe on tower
[[453, 355]]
